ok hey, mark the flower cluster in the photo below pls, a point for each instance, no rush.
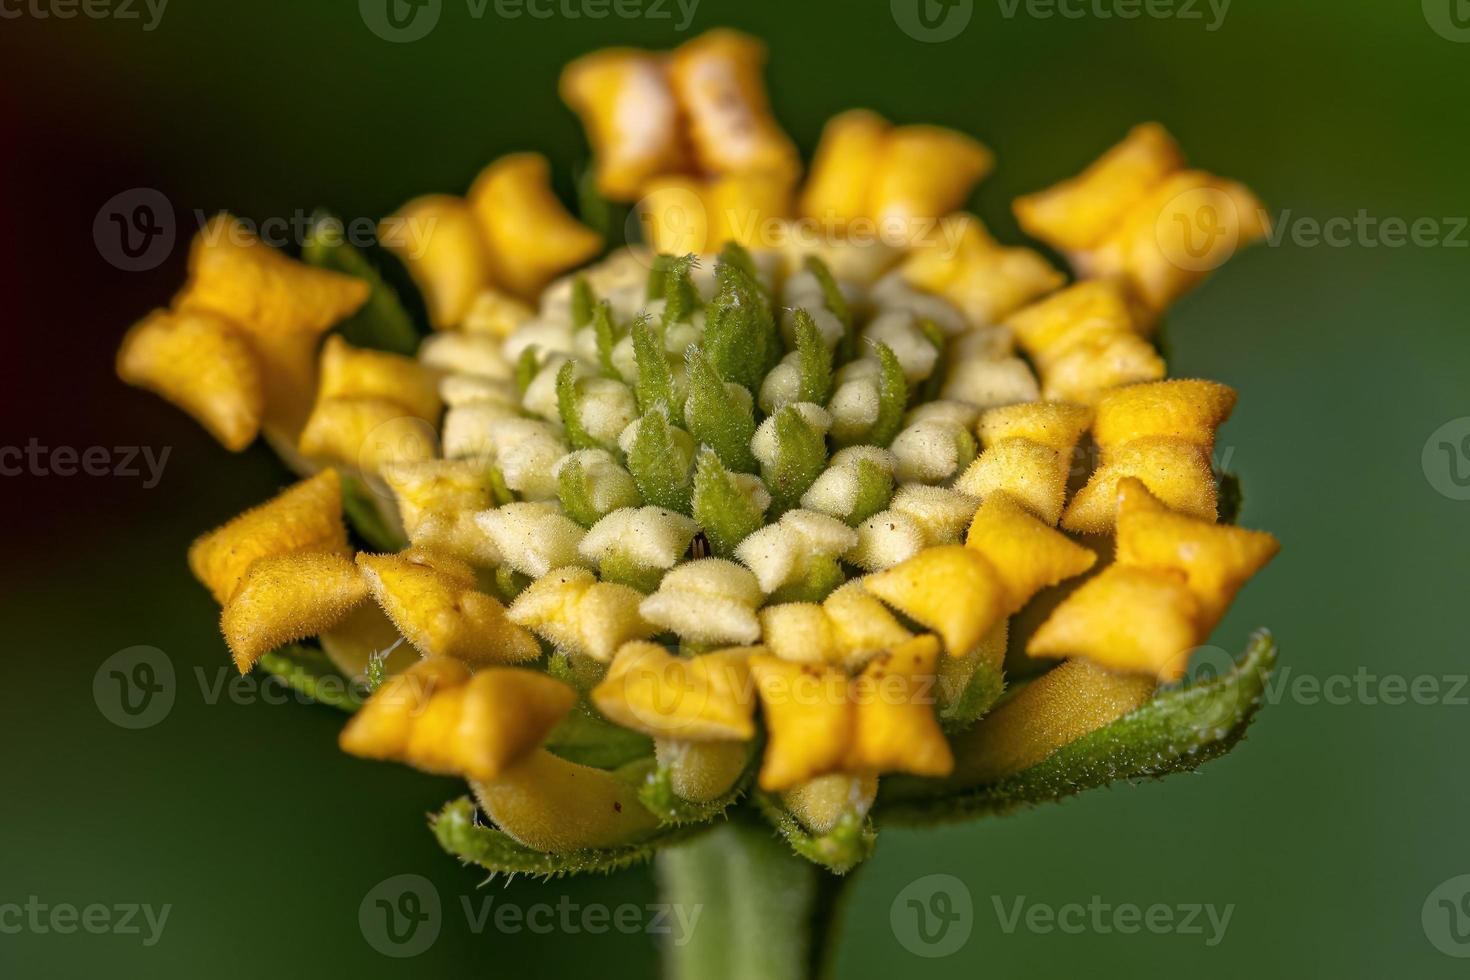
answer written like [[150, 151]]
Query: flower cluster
[[733, 513]]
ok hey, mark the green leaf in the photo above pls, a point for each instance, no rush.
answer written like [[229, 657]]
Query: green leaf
[[836, 304], [893, 395], [658, 467], [716, 417], [655, 385], [1231, 496], [726, 515], [582, 302], [656, 792], [815, 360], [381, 323], [801, 455], [569, 407], [681, 299], [458, 831], [874, 491], [1177, 731], [821, 579], [588, 739], [364, 511], [841, 849], [607, 338], [309, 671]]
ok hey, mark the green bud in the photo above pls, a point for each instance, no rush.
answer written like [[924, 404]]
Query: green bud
[[836, 304], [657, 273], [582, 302], [726, 515], [655, 386], [527, 365], [681, 299], [815, 359], [893, 395], [606, 332], [658, 467], [716, 417], [740, 334], [800, 457], [874, 491], [568, 404]]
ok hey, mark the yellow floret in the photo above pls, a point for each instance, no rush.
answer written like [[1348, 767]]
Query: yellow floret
[[894, 729], [200, 362], [1186, 409], [348, 371], [284, 598], [951, 589], [556, 806], [531, 236], [701, 698], [439, 240], [627, 107], [442, 614], [1027, 554], [306, 517], [571, 609], [1176, 471]]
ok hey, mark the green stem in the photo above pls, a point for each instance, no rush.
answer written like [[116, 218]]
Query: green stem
[[763, 912]]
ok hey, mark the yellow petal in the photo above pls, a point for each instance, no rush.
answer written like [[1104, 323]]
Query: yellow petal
[[1185, 409], [438, 486], [1086, 367], [381, 727], [1078, 213], [348, 371], [743, 208], [198, 361], [1033, 474], [808, 720], [837, 189], [556, 806], [1045, 327], [441, 614], [925, 172], [284, 598], [800, 632], [1140, 620], [507, 713], [1057, 425], [951, 589], [717, 80], [438, 238], [894, 728], [1176, 471], [702, 698], [306, 517], [1027, 554], [367, 433], [861, 626], [236, 275], [1216, 559], [1043, 715], [627, 106], [573, 610], [532, 237]]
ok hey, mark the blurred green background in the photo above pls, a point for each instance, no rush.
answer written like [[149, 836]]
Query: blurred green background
[[1326, 830]]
